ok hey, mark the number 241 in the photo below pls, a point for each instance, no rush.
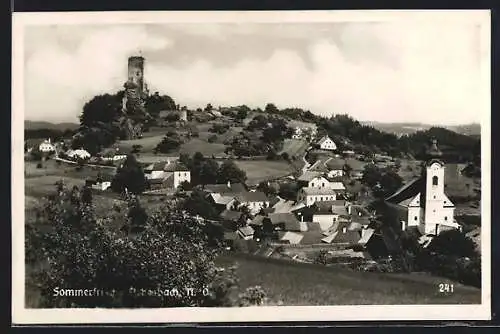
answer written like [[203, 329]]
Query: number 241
[[445, 288]]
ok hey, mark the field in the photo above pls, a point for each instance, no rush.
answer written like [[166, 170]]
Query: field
[[308, 284], [295, 147], [198, 145], [261, 170]]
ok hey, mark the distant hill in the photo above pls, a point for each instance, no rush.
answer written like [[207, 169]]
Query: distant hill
[[36, 125], [472, 129]]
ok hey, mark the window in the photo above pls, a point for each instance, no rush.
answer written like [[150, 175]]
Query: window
[[434, 180], [323, 184], [312, 184], [415, 218], [445, 218]]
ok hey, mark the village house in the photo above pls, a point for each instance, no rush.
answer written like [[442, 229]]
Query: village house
[[222, 201], [226, 188], [302, 130], [341, 233], [331, 167], [310, 195], [254, 200], [101, 182], [246, 232], [78, 154], [46, 146], [424, 200], [325, 143], [313, 180], [171, 173], [329, 212]]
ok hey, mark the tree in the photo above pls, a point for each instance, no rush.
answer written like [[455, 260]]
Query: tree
[[197, 204], [212, 139], [347, 169], [185, 186], [137, 216], [230, 172], [271, 108], [453, 242], [241, 114], [168, 144], [130, 176], [147, 269]]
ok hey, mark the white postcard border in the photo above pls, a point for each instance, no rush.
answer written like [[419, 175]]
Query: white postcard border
[[21, 315]]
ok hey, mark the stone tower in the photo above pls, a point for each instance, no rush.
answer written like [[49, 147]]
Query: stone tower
[[136, 72]]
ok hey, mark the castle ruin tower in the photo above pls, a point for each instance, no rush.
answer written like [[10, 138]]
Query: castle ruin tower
[[136, 72]]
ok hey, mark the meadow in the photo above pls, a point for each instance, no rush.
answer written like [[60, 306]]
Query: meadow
[[261, 170], [295, 284]]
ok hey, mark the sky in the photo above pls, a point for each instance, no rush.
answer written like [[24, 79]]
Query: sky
[[427, 71]]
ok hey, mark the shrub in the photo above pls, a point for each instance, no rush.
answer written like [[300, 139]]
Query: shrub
[[212, 139]]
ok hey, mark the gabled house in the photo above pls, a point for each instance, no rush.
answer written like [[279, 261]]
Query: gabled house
[[225, 189], [313, 180], [46, 146], [246, 232], [172, 173], [326, 143], [101, 182], [311, 195], [222, 202], [254, 200], [329, 212], [341, 233]]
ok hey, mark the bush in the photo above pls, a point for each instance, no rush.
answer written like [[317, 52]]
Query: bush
[[212, 139], [39, 165], [253, 296]]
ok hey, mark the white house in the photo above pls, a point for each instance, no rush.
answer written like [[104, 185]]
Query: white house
[[46, 146], [313, 180], [310, 195], [254, 200], [428, 208], [172, 173], [329, 212], [326, 143], [78, 154]]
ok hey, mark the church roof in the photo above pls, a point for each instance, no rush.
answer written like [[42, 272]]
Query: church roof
[[433, 151]]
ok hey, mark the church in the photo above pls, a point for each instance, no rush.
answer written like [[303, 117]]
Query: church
[[424, 202]]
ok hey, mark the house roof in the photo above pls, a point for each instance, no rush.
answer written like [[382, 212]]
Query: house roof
[[287, 218], [246, 231], [233, 188], [258, 220], [318, 191], [323, 139], [167, 166], [292, 237], [230, 215], [252, 196], [283, 206], [335, 164], [230, 236], [337, 185], [366, 236], [308, 176], [221, 199]]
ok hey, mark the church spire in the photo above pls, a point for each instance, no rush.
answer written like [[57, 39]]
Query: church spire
[[433, 152]]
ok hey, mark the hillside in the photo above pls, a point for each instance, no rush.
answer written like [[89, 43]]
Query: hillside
[[37, 125], [307, 284], [472, 129]]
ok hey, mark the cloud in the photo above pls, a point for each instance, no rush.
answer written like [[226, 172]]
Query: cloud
[[60, 80], [427, 72]]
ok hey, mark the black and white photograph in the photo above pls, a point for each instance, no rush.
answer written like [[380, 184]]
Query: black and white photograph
[[251, 166]]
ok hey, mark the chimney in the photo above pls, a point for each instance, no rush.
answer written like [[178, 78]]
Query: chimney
[[229, 184]]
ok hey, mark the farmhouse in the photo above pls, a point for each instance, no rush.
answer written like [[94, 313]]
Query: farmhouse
[[313, 180], [101, 182], [311, 195], [329, 212], [172, 173], [222, 202], [342, 233], [325, 143], [78, 154], [254, 200], [225, 189], [46, 146], [424, 201]]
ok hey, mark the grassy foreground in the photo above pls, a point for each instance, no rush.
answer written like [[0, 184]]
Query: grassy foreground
[[308, 284]]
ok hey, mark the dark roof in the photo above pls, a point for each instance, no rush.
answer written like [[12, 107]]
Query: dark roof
[[286, 218], [233, 188], [252, 196], [347, 237], [257, 220], [167, 167], [231, 236], [408, 190], [335, 164], [230, 215], [246, 230]]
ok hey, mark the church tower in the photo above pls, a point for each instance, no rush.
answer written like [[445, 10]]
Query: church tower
[[438, 209]]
